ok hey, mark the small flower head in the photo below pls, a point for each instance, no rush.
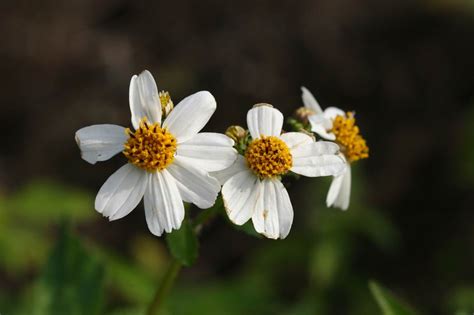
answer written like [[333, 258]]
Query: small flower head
[[150, 147], [252, 187], [169, 160], [352, 144], [336, 125], [269, 157], [340, 127]]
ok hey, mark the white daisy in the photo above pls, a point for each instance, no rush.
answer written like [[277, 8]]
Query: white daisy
[[252, 187], [168, 162], [336, 125]]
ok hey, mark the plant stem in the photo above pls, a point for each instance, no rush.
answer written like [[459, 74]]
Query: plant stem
[[164, 288], [175, 266]]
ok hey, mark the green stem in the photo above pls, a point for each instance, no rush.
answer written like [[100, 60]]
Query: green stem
[[165, 287], [175, 266]]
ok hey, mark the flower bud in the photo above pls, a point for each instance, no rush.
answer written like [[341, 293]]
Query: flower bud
[[166, 103], [302, 114], [236, 133]]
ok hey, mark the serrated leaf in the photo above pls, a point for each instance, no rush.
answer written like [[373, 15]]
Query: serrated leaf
[[389, 304], [183, 244]]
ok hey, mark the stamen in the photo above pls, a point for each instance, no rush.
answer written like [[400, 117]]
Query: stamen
[[268, 157], [347, 134], [150, 147]]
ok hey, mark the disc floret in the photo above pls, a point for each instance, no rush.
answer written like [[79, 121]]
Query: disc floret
[[150, 147], [347, 134], [268, 157]]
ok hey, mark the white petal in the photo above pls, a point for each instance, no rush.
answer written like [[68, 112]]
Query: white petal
[[100, 142], [144, 99], [317, 159], [164, 209], [190, 115], [195, 185], [339, 193], [322, 126], [310, 101], [122, 192], [334, 189], [274, 220], [296, 139], [264, 121], [332, 112], [240, 195], [315, 148], [208, 151], [238, 166]]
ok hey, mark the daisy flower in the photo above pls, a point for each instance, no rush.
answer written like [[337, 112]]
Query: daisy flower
[[336, 125], [252, 187], [168, 162]]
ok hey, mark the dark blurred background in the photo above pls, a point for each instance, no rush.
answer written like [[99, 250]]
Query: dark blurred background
[[405, 67]]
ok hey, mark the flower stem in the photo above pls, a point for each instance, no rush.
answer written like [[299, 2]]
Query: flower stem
[[165, 287], [175, 266]]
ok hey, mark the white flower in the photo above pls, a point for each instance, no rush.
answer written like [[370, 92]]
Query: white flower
[[321, 121], [334, 124], [168, 162], [252, 187]]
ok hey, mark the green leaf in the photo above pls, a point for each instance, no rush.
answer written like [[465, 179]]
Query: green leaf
[[71, 283], [43, 201], [183, 244], [247, 228], [32, 210], [387, 302]]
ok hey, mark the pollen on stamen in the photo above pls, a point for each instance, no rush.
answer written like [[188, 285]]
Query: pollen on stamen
[[268, 157], [150, 147], [353, 145]]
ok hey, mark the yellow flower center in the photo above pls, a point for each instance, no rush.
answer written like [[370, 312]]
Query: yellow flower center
[[150, 147], [268, 157], [348, 137]]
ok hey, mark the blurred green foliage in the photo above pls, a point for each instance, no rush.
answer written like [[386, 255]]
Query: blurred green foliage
[[461, 301], [313, 271], [26, 215], [71, 283], [388, 304]]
